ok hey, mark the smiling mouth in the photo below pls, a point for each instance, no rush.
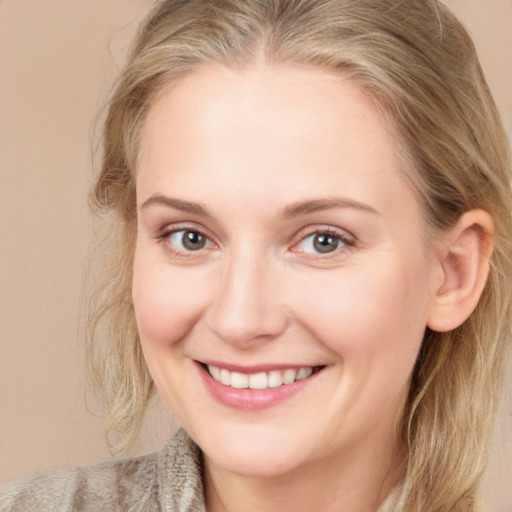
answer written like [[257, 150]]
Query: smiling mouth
[[260, 380]]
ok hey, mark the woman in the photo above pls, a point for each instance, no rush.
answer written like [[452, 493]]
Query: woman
[[309, 207]]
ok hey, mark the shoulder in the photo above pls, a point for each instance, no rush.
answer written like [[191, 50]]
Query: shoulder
[[171, 479], [110, 485]]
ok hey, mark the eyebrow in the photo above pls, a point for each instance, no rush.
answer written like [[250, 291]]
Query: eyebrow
[[178, 204], [315, 205], [289, 211]]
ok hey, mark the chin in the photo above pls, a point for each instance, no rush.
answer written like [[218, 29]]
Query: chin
[[252, 454], [254, 465]]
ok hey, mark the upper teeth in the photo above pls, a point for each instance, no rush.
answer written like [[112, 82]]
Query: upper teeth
[[261, 380]]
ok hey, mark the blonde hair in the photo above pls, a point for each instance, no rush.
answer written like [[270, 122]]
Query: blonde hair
[[418, 63]]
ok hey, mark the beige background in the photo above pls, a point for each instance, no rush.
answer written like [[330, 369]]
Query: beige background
[[56, 60]]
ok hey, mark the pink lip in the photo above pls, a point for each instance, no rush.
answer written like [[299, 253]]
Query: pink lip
[[251, 399]]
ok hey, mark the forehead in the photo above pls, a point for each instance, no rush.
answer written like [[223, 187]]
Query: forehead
[[285, 98], [272, 126]]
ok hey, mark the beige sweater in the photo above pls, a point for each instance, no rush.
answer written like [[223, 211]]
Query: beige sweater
[[166, 481]]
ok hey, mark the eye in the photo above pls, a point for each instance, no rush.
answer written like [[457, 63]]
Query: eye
[[187, 240], [321, 243]]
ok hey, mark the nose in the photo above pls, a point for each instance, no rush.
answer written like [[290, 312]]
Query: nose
[[247, 306]]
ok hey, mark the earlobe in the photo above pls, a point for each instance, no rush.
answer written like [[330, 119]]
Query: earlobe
[[465, 266]]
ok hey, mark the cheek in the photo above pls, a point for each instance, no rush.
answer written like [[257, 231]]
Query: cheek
[[167, 301], [370, 321]]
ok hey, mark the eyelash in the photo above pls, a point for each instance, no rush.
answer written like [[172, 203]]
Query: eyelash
[[346, 241], [163, 238]]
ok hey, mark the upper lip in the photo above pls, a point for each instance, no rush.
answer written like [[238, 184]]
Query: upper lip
[[257, 368]]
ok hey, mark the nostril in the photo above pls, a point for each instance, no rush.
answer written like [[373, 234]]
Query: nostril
[[246, 324]]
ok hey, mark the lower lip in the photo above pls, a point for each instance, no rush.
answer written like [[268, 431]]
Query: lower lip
[[252, 399]]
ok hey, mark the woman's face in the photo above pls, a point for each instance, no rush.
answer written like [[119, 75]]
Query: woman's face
[[279, 247]]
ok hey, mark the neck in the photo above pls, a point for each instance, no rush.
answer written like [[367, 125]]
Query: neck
[[355, 481]]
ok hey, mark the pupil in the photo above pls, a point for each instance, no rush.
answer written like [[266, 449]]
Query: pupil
[[325, 243], [193, 240]]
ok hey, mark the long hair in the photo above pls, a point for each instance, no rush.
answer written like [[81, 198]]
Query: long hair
[[419, 65]]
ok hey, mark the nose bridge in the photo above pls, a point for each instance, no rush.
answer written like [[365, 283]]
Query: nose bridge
[[247, 304]]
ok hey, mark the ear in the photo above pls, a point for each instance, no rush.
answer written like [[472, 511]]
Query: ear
[[464, 262]]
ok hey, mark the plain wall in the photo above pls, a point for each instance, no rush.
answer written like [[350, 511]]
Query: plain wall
[[57, 58]]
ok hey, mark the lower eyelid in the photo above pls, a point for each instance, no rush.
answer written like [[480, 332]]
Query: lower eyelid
[[164, 235], [164, 238]]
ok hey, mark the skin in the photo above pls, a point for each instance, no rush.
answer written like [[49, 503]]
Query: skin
[[247, 147]]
